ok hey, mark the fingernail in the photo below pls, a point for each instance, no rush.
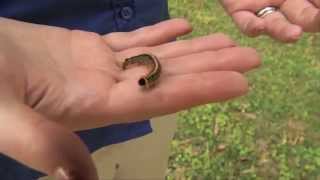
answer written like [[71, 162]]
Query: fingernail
[[63, 174]]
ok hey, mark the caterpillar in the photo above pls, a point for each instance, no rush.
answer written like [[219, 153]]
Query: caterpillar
[[150, 79]]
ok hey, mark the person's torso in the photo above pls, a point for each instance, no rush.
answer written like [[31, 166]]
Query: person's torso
[[101, 16]]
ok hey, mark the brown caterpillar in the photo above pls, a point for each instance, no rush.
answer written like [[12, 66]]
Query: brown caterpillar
[[145, 59]]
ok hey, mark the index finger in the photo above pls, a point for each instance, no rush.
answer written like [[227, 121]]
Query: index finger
[[148, 36]]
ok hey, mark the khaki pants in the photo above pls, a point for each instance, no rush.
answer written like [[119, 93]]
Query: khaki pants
[[144, 158]]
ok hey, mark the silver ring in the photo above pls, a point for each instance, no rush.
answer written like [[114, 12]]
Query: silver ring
[[266, 11]]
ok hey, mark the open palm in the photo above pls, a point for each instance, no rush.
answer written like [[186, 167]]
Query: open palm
[[59, 80]]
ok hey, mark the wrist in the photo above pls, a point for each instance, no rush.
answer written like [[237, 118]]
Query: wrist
[[22, 37]]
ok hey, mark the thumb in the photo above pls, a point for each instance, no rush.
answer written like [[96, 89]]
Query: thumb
[[29, 138], [149, 36]]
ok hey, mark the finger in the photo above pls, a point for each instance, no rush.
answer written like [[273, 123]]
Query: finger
[[302, 13], [181, 48], [243, 13], [174, 93], [149, 36], [230, 59], [316, 3], [249, 23], [205, 43], [43, 145], [233, 6], [279, 27]]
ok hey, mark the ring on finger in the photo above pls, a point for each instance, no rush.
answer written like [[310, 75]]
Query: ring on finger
[[262, 13], [152, 77]]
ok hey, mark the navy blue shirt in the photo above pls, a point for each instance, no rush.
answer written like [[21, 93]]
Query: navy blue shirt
[[100, 16]]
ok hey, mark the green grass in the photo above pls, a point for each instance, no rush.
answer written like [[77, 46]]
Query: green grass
[[273, 132]]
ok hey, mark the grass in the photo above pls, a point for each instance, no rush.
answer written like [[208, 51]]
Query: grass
[[273, 132]]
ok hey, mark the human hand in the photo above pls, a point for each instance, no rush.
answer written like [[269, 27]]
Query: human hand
[[54, 80], [286, 25]]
